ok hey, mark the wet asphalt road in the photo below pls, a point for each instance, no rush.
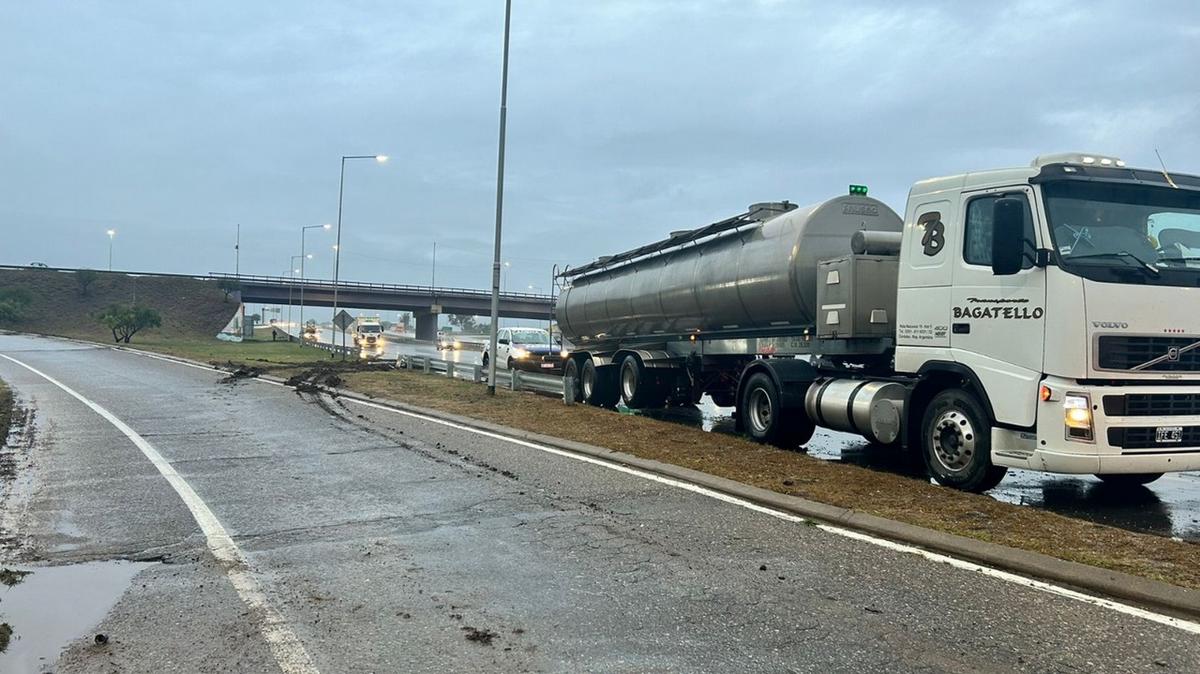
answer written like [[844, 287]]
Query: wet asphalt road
[[378, 538]]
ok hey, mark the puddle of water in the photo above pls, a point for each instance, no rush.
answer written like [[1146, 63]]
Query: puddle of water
[[50, 606]]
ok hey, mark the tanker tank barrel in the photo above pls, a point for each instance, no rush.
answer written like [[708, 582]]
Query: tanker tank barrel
[[868, 242]]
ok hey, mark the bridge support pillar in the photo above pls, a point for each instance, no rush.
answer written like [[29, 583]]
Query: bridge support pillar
[[427, 325]]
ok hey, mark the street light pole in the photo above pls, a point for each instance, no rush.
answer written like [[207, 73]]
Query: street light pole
[[111, 233], [293, 270], [303, 257], [337, 256], [499, 202]]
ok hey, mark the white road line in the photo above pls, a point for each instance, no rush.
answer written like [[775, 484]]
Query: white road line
[[285, 646], [1043, 586]]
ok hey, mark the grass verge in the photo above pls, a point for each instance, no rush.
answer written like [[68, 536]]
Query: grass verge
[[896, 497]]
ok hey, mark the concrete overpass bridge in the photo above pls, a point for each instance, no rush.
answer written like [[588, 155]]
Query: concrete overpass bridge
[[425, 302]]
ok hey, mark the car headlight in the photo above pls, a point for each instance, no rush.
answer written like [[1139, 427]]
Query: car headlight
[[1077, 416], [564, 353], [520, 354]]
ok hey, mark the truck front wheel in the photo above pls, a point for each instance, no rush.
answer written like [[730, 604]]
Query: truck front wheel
[[766, 421], [956, 441]]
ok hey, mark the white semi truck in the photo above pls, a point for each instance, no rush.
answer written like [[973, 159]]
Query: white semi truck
[[1045, 318], [368, 332]]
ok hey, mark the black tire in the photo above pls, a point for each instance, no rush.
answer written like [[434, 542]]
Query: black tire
[[1126, 480], [637, 386], [764, 418], [571, 378], [956, 442], [510, 363], [597, 386], [485, 360]]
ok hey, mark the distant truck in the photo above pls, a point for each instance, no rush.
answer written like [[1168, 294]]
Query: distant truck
[[1043, 318], [367, 332]]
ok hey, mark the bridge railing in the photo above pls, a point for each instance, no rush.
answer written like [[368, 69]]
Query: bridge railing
[[329, 284]]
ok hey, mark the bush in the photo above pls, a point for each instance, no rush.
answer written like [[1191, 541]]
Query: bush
[[13, 302], [85, 278]]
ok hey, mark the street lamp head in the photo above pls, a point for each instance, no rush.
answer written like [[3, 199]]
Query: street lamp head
[[111, 233], [334, 246], [381, 158], [309, 256], [327, 226]]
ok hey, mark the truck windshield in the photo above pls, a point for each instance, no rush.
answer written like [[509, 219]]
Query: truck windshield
[[1125, 233], [370, 328]]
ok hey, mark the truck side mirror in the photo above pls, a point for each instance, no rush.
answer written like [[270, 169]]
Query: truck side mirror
[[1008, 236]]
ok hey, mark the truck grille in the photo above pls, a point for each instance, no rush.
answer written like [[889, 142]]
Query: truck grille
[[1144, 438], [1152, 404], [1118, 352]]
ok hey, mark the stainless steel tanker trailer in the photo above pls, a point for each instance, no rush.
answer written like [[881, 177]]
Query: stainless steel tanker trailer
[[1012, 318], [727, 308]]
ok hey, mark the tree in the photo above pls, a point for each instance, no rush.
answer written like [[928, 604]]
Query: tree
[[228, 286], [465, 322], [12, 304], [85, 278], [126, 321], [256, 318]]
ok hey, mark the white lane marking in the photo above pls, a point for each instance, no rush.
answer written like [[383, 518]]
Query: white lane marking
[[1043, 586], [285, 646]]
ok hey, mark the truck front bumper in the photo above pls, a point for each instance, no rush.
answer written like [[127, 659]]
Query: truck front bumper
[[1135, 429]]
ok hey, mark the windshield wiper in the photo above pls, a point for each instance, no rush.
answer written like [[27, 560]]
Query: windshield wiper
[[1124, 254]]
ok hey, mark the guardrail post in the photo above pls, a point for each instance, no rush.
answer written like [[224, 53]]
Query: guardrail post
[[450, 369], [516, 379], [428, 365], [476, 373]]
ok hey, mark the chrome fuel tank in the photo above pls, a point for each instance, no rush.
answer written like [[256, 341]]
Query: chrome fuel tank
[[761, 275]]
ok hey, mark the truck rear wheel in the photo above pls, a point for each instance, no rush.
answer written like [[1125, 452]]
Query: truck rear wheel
[[956, 441], [1126, 480], [765, 419], [639, 389], [597, 387], [571, 379]]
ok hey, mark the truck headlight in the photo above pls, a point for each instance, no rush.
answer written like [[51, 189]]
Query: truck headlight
[[563, 354], [520, 354], [1077, 416]]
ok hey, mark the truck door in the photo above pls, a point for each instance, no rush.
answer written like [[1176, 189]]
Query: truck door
[[997, 323]]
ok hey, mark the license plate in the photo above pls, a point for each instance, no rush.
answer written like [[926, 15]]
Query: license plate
[[1166, 434], [548, 366]]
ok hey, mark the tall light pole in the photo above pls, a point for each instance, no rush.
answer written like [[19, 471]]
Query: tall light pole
[[294, 270], [499, 202], [337, 256], [237, 252], [303, 257], [111, 233]]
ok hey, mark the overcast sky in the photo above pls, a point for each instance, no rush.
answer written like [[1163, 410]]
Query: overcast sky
[[171, 122]]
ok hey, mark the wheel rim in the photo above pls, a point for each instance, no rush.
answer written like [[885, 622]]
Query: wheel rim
[[760, 410], [587, 383], [953, 441], [628, 383]]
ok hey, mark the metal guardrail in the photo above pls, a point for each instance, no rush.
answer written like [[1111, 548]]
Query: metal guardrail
[[516, 380]]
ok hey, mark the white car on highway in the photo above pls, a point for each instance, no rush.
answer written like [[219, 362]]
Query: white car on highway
[[526, 349]]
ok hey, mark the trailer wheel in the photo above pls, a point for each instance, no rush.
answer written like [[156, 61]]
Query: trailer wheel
[[1127, 480], [597, 387], [765, 418], [571, 379], [956, 442], [639, 390]]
